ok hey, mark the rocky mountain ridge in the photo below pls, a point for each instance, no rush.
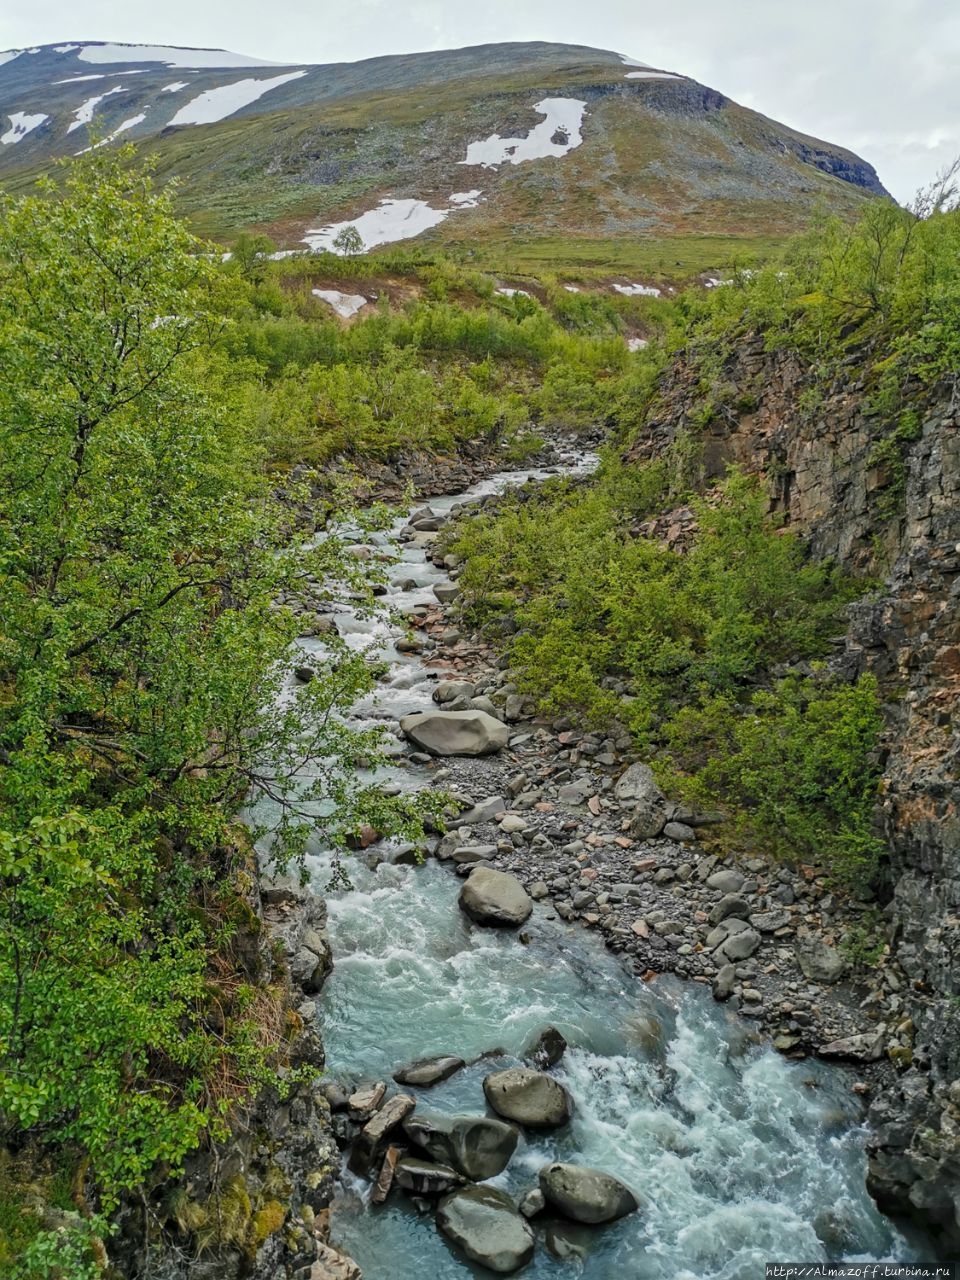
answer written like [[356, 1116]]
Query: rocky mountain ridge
[[533, 141]]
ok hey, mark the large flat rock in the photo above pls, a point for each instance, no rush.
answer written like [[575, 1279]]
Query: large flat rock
[[487, 1227], [456, 733]]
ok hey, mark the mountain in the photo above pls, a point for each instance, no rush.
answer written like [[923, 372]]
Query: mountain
[[551, 152]]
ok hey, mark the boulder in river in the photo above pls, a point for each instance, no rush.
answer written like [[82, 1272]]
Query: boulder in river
[[456, 733], [424, 1178], [424, 1072], [530, 1098], [495, 898], [586, 1195], [547, 1049], [487, 1227], [476, 1146]]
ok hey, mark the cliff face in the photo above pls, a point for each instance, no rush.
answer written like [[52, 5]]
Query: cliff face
[[893, 515]]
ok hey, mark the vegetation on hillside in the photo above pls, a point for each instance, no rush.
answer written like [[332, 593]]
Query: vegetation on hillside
[[713, 652], [143, 552], [680, 644]]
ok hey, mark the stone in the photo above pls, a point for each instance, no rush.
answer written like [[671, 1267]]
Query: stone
[[303, 675], [331, 1264], [586, 1195], [448, 690], [546, 1050], [495, 898], [769, 921], [574, 792], [740, 946], [820, 963], [637, 783], [385, 1177], [530, 1098], [487, 1227], [312, 962], [425, 1178], [636, 788], [724, 982], [474, 853], [512, 823], [726, 881], [446, 592], [456, 733], [485, 811], [424, 1072], [391, 1114], [364, 1102], [568, 1241], [532, 1203], [867, 1047], [477, 1146], [679, 831], [729, 905]]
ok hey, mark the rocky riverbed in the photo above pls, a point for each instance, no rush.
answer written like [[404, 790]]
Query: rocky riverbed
[[577, 825], [584, 827]]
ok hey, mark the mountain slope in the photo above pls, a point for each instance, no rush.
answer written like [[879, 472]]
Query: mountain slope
[[560, 151]]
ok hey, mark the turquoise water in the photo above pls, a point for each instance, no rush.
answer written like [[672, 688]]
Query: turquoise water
[[738, 1155]]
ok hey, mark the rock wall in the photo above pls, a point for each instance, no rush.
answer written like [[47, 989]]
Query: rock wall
[[818, 449], [257, 1205]]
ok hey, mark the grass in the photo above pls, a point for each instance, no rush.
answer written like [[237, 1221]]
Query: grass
[[657, 258]]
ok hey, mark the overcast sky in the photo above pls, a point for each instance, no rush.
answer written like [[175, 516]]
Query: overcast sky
[[879, 76]]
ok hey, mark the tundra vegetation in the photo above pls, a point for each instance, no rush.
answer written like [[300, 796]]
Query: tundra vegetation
[[165, 422]]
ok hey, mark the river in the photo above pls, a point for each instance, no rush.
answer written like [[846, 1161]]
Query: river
[[738, 1156]]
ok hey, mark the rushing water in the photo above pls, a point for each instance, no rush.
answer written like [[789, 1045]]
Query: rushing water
[[738, 1156]]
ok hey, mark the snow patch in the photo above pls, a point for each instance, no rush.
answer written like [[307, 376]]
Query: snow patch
[[344, 304], [84, 113], [217, 104], [512, 293], [638, 290], [564, 116], [465, 199], [652, 75], [636, 344], [572, 288], [65, 48], [20, 125], [392, 220], [176, 86], [171, 55], [77, 79], [121, 128], [9, 55], [632, 62]]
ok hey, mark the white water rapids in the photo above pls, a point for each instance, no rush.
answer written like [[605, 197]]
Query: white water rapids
[[738, 1156]]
